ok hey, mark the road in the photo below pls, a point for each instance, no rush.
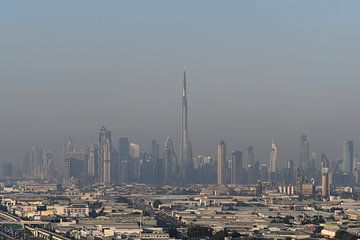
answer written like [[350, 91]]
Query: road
[[164, 220]]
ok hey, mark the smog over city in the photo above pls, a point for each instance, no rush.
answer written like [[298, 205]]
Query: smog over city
[[177, 112]]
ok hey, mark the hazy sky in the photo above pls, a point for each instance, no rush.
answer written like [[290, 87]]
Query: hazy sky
[[258, 70]]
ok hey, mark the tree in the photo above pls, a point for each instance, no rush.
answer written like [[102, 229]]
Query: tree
[[344, 235], [156, 203], [173, 232], [218, 236], [196, 231]]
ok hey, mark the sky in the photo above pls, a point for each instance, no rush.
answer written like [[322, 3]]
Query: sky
[[257, 71]]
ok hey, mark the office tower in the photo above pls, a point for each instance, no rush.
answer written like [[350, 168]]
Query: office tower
[[264, 173], [124, 160], [325, 163], [170, 161], [134, 150], [250, 159], [37, 163], [304, 153], [273, 158], [291, 171], [90, 160], [258, 189], [105, 154], [69, 148], [325, 183], [157, 163], [317, 161], [348, 157], [7, 169], [204, 168], [73, 160], [93, 162], [235, 166], [221, 163], [146, 166], [185, 145], [155, 150]]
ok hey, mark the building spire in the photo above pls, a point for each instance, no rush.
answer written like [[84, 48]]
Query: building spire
[[185, 145], [184, 81]]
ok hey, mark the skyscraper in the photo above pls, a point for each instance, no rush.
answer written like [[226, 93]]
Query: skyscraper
[[91, 160], [134, 150], [93, 164], [221, 163], [124, 159], [155, 151], [73, 160], [235, 166], [105, 154], [273, 158], [325, 183], [185, 146], [170, 161], [250, 159], [37, 163], [304, 153], [348, 157]]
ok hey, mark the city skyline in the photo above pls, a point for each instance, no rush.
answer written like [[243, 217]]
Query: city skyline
[[217, 120], [250, 83]]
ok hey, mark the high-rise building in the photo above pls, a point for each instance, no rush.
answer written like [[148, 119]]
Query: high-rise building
[[155, 151], [124, 160], [235, 166], [134, 150], [348, 157], [250, 158], [37, 163], [93, 162], [204, 169], [264, 173], [73, 160], [325, 183], [170, 161], [185, 145], [221, 163], [105, 154], [7, 169], [304, 153], [273, 158]]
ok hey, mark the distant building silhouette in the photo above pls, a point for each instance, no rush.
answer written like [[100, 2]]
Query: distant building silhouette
[[273, 158], [304, 153], [348, 157], [221, 163], [105, 154], [170, 162], [250, 158], [235, 166]]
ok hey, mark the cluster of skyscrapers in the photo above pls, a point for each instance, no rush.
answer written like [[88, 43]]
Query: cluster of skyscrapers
[[122, 162], [38, 164]]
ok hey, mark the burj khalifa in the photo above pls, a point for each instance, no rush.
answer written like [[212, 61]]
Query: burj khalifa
[[185, 148]]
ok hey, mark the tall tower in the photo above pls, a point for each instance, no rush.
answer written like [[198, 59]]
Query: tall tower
[[348, 157], [273, 158], [221, 163], [304, 153], [325, 182], [235, 166], [250, 159], [91, 160], [124, 159], [105, 153], [170, 161], [185, 148]]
